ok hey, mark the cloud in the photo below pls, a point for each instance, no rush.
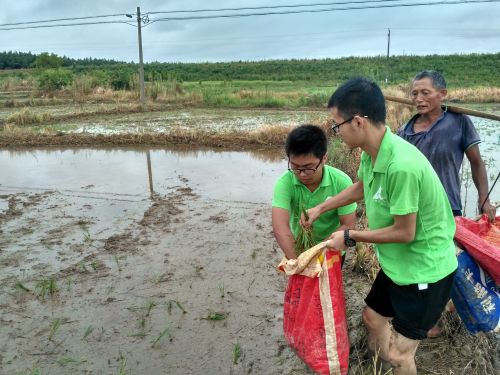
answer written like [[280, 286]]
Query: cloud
[[440, 29]]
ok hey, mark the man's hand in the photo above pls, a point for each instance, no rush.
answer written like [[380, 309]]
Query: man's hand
[[313, 214], [336, 241], [488, 209]]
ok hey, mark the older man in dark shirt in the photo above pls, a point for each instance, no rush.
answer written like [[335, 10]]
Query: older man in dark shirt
[[444, 137]]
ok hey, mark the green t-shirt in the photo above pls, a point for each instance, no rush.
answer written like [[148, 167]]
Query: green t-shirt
[[290, 194], [401, 182]]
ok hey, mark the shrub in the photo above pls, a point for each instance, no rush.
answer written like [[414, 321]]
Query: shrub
[[54, 79]]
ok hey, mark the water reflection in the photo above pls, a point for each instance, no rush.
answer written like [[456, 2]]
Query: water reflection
[[136, 173]]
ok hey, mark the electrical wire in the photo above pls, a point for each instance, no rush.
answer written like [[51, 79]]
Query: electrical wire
[[272, 6], [146, 21], [63, 19], [66, 24], [236, 15]]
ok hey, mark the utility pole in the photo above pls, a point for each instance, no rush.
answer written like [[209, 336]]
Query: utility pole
[[388, 46], [388, 41], [141, 62]]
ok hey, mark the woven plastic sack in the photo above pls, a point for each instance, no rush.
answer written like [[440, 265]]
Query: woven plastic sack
[[314, 317], [475, 296], [481, 239]]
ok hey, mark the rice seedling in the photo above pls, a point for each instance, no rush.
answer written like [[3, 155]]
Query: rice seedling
[[93, 264], [197, 269], [20, 286], [54, 327], [149, 307], [122, 370], [64, 361], [304, 238], [254, 253], [171, 303], [86, 235], [88, 331], [117, 261], [236, 353], [166, 331], [216, 315], [46, 287], [221, 290], [83, 268], [250, 285]]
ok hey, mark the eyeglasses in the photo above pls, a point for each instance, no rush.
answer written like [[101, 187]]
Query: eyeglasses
[[335, 126], [306, 171]]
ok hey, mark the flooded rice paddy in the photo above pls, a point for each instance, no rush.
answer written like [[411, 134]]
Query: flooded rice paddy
[[156, 261]]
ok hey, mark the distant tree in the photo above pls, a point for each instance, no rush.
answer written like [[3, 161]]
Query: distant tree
[[55, 79], [46, 61]]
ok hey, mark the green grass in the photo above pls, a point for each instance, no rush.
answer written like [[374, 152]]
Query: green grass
[[236, 353], [216, 315], [171, 303], [165, 331], [46, 287], [22, 287], [54, 328], [88, 330]]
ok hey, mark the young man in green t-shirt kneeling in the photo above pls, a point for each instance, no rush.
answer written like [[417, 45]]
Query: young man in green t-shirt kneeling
[[410, 223], [307, 183]]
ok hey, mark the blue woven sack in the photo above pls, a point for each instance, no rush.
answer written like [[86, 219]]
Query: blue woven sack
[[475, 296]]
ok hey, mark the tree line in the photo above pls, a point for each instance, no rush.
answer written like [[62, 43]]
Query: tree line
[[464, 70]]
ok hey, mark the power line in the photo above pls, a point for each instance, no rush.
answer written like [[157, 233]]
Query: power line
[[63, 19], [66, 24], [272, 7], [146, 20], [236, 15]]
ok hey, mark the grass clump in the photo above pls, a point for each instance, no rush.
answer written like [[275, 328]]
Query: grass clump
[[46, 287], [27, 117]]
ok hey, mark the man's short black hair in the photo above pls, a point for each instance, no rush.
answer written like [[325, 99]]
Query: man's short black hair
[[437, 79], [306, 140], [359, 96]]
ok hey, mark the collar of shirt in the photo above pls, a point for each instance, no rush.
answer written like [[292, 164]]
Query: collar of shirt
[[409, 130], [384, 154]]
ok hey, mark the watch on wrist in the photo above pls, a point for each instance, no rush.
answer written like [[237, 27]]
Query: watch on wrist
[[348, 241]]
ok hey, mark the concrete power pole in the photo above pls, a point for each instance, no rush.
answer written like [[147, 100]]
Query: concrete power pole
[[388, 41], [141, 62], [388, 46]]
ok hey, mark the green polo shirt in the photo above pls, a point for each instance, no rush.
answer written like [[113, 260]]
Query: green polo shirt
[[291, 194], [402, 182]]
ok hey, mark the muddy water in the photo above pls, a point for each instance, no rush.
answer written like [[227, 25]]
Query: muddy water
[[122, 174], [489, 132], [137, 278], [103, 190]]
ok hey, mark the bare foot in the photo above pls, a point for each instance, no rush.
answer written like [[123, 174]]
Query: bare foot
[[434, 332]]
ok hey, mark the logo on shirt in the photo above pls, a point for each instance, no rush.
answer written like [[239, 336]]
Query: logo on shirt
[[378, 195]]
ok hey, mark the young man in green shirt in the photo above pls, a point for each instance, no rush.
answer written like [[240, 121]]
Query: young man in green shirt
[[410, 223], [307, 183]]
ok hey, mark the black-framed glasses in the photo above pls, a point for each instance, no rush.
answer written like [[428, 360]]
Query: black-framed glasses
[[306, 171], [335, 126]]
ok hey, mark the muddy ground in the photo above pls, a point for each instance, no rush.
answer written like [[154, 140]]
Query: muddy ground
[[187, 286]]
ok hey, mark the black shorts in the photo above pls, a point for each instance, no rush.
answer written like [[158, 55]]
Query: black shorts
[[415, 309]]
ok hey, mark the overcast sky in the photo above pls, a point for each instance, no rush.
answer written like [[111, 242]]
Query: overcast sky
[[419, 30]]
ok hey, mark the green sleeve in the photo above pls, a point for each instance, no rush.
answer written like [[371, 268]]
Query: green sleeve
[[404, 186], [282, 197]]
